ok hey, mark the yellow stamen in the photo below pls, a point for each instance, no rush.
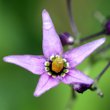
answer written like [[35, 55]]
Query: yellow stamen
[[57, 64]]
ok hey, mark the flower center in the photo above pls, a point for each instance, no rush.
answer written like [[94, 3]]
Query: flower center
[[56, 66]]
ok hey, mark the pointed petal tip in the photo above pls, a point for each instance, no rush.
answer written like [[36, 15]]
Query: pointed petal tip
[[78, 54], [99, 42], [28, 62], [36, 94], [102, 40], [6, 59], [45, 14], [47, 22], [9, 59], [44, 11]]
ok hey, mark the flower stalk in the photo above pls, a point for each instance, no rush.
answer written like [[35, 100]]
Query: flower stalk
[[105, 31], [98, 34], [72, 99], [102, 72], [95, 85], [71, 18]]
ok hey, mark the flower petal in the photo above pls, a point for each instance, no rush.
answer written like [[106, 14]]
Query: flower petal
[[77, 55], [76, 77], [51, 41], [32, 63], [45, 83]]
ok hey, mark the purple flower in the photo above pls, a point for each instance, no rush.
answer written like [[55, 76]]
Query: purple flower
[[56, 66]]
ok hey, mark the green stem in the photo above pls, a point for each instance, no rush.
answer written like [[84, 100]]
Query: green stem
[[71, 18], [95, 86], [71, 100], [102, 72], [92, 36]]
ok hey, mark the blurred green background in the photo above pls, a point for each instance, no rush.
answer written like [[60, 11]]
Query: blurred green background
[[21, 33]]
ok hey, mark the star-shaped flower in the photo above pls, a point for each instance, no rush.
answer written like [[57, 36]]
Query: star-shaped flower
[[55, 66]]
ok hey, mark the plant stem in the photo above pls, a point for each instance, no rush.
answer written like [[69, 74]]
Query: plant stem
[[71, 18], [71, 100], [95, 86], [92, 36], [102, 72]]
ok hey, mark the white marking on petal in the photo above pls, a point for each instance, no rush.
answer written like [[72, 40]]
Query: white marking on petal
[[67, 65], [49, 73], [57, 56], [63, 75], [53, 76], [65, 60], [46, 68], [47, 63]]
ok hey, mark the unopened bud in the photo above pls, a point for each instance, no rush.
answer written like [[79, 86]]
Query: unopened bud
[[107, 27], [66, 39]]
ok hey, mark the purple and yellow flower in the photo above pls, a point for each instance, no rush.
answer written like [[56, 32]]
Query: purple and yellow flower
[[56, 66]]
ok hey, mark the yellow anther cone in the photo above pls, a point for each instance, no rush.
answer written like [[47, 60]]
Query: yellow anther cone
[[57, 65]]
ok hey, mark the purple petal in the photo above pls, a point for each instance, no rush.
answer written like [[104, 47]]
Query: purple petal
[[51, 41], [45, 83], [76, 77], [77, 55], [32, 63]]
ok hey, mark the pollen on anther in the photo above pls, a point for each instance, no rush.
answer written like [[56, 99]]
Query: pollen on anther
[[53, 76], [62, 75], [65, 71], [57, 56], [65, 60], [47, 63], [52, 57], [47, 69], [49, 73], [67, 65]]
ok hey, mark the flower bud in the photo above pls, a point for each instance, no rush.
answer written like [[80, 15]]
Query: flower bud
[[66, 39], [107, 27], [81, 87]]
